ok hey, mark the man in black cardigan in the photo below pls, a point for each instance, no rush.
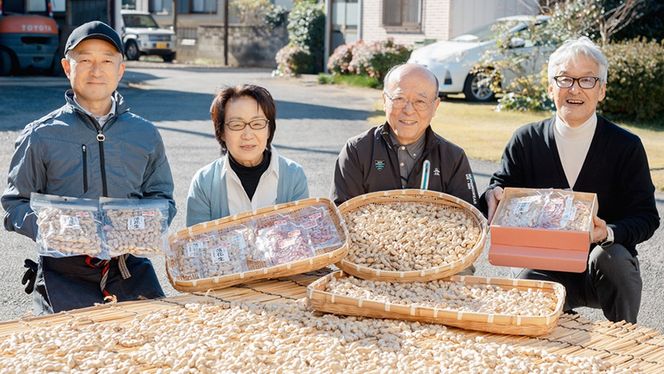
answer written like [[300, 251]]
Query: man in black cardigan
[[580, 150]]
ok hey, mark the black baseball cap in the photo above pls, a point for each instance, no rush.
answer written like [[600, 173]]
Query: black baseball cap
[[93, 30]]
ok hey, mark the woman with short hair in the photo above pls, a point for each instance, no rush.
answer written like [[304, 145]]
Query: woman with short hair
[[249, 174]]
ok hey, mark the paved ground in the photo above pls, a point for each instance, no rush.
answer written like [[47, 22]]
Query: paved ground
[[313, 123]]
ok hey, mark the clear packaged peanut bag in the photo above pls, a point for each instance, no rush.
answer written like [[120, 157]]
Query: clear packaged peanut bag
[[547, 209], [185, 257], [316, 223], [134, 226], [67, 226], [226, 251]]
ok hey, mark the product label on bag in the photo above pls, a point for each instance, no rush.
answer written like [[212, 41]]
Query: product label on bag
[[136, 223], [69, 222], [220, 254]]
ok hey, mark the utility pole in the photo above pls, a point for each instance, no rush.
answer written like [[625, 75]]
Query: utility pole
[[226, 32], [175, 16]]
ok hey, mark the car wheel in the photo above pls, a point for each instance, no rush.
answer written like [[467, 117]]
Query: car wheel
[[131, 51], [169, 57], [478, 87], [6, 63]]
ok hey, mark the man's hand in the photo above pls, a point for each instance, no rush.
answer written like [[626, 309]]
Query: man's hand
[[493, 197], [600, 232]]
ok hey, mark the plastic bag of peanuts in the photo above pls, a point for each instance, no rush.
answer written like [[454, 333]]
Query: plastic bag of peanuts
[[211, 254], [134, 226], [67, 226], [317, 224], [546, 209]]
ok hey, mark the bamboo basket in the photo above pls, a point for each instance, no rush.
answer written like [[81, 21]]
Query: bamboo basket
[[282, 270], [321, 300], [414, 196]]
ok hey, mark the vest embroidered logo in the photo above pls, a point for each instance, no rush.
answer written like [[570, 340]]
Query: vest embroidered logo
[[436, 172], [379, 164]]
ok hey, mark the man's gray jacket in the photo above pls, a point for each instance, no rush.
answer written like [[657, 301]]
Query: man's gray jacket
[[66, 153], [369, 163]]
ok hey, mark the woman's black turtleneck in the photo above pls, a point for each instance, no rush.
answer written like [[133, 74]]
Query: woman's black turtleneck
[[250, 175]]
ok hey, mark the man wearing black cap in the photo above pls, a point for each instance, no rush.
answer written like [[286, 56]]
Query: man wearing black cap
[[91, 147]]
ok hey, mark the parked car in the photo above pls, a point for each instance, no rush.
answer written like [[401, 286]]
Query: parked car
[[143, 36], [453, 61]]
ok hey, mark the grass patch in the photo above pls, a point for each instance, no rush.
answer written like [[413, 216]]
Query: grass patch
[[349, 80], [483, 133]]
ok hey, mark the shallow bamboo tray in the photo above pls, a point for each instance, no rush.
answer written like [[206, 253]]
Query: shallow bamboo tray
[[414, 196], [321, 300], [282, 270], [620, 344]]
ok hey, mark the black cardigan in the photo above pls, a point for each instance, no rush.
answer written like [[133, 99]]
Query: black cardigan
[[615, 168]]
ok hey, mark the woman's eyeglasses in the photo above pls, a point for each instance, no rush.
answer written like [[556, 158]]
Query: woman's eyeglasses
[[254, 124]]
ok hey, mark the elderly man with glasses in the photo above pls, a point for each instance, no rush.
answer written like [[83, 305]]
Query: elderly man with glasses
[[579, 150], [404, 152]]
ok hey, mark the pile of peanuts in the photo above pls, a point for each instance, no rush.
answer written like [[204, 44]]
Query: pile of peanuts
[[69, 231], [409, 236], [279, 337], [457, 296], [134, 231]]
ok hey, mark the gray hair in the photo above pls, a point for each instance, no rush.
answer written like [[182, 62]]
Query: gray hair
[[572, 49]]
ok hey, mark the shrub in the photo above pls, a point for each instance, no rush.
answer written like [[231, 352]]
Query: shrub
[[306, 29], [387, 54], [251, 12], [340, 59], [526, 93], [276, 16], [373, 60], [293, 60], [636, 72]]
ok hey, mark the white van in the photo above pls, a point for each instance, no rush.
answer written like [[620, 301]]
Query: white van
[[142, 35]]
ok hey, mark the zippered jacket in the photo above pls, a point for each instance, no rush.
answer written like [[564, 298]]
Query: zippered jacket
[[369, 163], [67, 153]]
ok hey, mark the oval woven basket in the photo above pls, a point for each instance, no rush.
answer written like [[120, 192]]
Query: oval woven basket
[[421, 197], [318, 298], [330, 255]]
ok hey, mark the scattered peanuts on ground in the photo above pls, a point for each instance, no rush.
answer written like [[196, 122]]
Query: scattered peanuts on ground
[[279, 337], [478, 298], [409, 236]]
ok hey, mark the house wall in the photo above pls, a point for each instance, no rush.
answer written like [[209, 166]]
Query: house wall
[[442, 19], [248, 45], [435, 15]]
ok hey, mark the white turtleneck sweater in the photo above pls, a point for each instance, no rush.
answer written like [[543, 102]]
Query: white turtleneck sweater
[[573, 144]]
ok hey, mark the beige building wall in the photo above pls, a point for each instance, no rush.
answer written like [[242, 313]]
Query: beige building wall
[[435, 20], [441, 19]]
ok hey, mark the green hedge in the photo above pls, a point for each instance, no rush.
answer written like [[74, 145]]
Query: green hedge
[[635, 87]]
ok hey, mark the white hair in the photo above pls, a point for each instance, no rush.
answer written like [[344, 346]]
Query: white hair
[[572, 49]]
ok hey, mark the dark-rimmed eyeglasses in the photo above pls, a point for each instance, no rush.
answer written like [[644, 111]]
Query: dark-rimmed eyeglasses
[[254, 124], [564, 81], [400, 103]]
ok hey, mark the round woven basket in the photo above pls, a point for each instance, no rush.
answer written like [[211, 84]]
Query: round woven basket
[[282, 270], [419, 197]]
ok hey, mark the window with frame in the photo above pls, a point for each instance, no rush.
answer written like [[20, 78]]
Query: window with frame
[[403, 15], [197, 6]]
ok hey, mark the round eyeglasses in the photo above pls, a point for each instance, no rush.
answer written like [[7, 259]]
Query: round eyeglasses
[[564, 81], [400, 103], [254, 124]]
